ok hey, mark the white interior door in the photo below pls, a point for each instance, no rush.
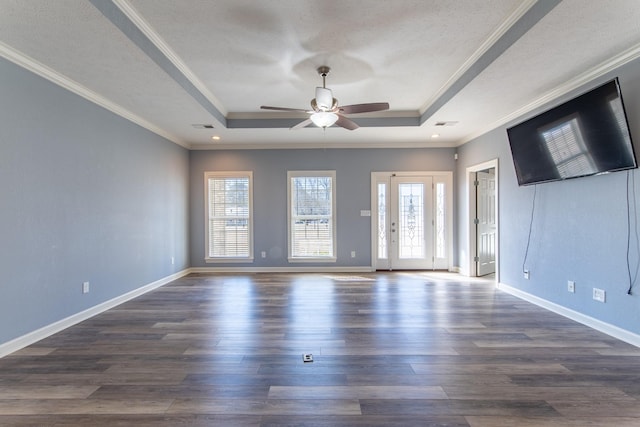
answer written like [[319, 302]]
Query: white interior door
[[486, 221], [411, 224]]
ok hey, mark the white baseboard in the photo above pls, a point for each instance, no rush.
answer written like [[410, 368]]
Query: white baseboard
[[46, 331], [606, 328], [287, 269]]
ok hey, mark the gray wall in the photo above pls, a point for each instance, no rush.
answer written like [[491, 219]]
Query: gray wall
[[353, 185], [85, 196], [88, 196], [579, 228]]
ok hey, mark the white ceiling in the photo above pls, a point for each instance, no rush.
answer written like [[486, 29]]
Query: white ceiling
[[170, 64]]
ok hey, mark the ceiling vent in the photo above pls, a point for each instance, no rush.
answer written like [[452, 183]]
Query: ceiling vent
[[447, 123], [200, 126]]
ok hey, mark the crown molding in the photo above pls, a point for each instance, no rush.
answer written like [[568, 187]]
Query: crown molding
[[64, 82], [579, 81], [321, 145], [484, 47], [135, 17]]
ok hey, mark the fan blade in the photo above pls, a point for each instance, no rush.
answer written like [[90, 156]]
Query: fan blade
[[364, 108], [266, 107], [302, 124], [346, 123]]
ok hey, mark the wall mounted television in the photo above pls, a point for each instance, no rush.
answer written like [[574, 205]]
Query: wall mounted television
[[585, 136]]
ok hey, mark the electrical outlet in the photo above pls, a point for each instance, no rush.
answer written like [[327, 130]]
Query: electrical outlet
[[173, 260], [353, 254], [307, 358], [526, 274], [85, 287], [571, 286], [599, 294], [263, 254]]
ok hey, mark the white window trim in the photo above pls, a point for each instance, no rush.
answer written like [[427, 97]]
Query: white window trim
[[325, 173], [228, 174]]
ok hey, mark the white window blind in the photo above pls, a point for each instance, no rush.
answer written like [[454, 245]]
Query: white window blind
[[229, 216], [312, 215]]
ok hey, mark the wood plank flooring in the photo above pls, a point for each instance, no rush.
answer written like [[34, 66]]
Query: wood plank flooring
[[389, 349]]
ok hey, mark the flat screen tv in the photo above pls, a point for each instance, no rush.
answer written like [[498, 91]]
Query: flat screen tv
[[587, 135]]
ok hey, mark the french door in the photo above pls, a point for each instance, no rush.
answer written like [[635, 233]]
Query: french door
[[410, 228]]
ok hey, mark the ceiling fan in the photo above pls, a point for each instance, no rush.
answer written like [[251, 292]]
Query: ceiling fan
[[325, 111]]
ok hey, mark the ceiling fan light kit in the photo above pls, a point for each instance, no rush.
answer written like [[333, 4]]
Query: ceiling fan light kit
[[325, 110], [324, 119]]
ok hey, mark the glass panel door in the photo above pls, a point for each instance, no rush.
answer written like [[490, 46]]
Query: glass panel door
[[411, 223], [410, 227], [411, 220], [403, 222]]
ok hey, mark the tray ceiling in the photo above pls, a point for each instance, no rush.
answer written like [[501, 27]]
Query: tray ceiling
[[170, 65]]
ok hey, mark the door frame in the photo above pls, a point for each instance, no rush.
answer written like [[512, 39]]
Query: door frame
[[472, 248], [449, 215]]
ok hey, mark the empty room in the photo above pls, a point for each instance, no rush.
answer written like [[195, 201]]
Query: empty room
[[319, 213]]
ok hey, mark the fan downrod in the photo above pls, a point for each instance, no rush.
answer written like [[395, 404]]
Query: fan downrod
[[324, 72]]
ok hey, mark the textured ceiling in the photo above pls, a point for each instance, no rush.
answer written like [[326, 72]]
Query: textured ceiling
[[168, 65]]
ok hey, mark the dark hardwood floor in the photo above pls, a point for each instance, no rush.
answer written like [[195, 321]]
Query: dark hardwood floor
[[389, 349]]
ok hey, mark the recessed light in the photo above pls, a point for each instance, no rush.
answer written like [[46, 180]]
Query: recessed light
[[435, 135], [215, 138]]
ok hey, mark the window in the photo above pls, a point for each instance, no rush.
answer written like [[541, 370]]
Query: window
[[229, 227], [382, 220], [311, 216]]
